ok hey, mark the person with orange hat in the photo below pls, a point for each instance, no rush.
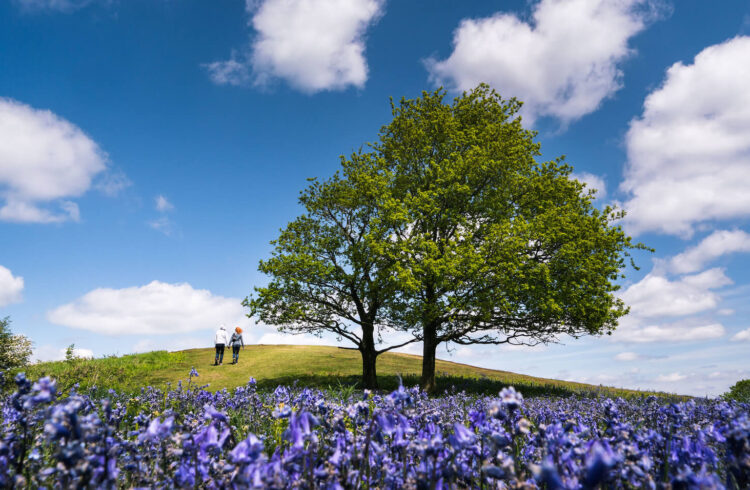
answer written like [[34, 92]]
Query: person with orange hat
[[236, 341]]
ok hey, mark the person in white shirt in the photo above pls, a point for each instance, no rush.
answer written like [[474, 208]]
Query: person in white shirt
[[221, 339]]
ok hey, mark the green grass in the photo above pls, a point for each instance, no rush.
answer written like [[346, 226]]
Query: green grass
[[315, 366]]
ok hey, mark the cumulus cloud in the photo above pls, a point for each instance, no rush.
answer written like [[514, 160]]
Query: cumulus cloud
[[743, 336], [661, 308], [54, 353], [314, 45], [10, 287], [718, 243], [593, 182], [153, 309], [562, 63], [171, 344], [44, 161], [689, 153], [655, 295], [675, 332], [702, 381]]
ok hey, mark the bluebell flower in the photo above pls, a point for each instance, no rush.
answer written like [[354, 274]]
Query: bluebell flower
[[282, 411], [211, 413], [158, 430], [598, 463], [247, 451], [510, 398], [461, 436]]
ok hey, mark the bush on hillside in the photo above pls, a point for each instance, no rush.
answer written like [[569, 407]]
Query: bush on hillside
[[739, 392], [15, 350]]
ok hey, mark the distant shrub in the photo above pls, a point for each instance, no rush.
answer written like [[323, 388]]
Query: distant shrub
[[15, 350], [739, 392]]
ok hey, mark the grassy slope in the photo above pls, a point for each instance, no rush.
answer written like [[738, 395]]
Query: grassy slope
[[272, 365]]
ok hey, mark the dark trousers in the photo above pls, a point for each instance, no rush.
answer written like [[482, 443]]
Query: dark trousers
[[235, 353], [219, 354]]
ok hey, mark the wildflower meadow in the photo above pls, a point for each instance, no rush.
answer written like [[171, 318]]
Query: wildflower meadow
[[292, 437]]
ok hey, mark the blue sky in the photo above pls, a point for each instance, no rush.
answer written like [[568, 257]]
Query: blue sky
[[150, 150]]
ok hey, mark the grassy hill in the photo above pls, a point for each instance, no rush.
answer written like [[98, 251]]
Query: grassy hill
[[271, 365]]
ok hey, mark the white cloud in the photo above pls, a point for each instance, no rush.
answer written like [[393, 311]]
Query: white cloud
[[44, 160], [235, 71], [656, 298], [743, 336], [627, 356], [562, 63], [162, 204], [676, 332], [689, 152], [162, 224], [153, 309], [710, 248], [54, 353], [10, 287], [655, 295], [171, 344], [634, 356], [278, 338], [592, 182], [112, 183], [314, 45], [670, 378]]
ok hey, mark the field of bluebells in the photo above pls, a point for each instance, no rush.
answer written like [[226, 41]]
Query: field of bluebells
[[188, 437]]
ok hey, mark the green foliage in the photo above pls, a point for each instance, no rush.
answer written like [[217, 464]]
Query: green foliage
[[325, 272], [126, 373], [450, 229], [15, 350], [739, 392], [493, 245], [336, 370], [70, 354]]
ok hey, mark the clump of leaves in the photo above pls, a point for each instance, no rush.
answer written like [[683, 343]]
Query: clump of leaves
[[739, 392]]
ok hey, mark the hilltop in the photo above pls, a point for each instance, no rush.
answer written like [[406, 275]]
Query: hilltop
[[306, 365]]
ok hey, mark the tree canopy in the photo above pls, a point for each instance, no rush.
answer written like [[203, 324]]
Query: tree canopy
[[739, 392], [492, 246], [325, 275], [448, 229]]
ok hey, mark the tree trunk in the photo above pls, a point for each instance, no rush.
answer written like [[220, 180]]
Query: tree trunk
[[369, 357], [429, 347]]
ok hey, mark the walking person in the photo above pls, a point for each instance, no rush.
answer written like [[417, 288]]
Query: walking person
[[236, 341], [221, 339]]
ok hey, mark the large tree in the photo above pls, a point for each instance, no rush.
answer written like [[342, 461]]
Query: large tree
[[450, 229], [492, 245], [325, 272]]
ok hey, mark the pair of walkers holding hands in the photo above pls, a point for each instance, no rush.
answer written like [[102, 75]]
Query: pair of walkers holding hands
[[222, 340]]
